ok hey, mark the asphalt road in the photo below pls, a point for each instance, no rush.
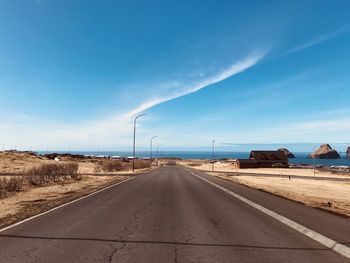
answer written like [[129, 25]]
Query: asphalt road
[[169, 215]]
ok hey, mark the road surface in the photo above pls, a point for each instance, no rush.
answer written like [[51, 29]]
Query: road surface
[[170, 215]]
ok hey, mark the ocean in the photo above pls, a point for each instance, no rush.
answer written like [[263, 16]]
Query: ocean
[[301, 157]]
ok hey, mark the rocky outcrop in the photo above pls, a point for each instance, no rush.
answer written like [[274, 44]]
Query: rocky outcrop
[[348, 153], [325, 152], [287, 152]]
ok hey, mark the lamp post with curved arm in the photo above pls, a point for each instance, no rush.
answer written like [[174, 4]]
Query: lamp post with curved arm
[[150, 153], [133, 146]]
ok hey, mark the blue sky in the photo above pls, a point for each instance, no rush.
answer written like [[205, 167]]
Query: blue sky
[[73, 74]]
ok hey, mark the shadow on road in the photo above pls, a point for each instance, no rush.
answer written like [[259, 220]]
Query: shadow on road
[[161, 242]]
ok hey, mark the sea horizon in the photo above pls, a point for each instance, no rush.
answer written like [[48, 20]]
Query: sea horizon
[[300, 157]]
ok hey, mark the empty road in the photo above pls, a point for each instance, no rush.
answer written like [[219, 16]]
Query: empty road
[[171, 215]]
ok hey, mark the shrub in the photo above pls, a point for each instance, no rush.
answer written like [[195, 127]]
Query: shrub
[[140, 164], [11, 184], [116, 166], [47, 173], [109, 166], [14, 184], [194, 164]]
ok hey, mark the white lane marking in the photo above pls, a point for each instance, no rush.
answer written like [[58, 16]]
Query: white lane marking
[[328, 242], [65, 204]]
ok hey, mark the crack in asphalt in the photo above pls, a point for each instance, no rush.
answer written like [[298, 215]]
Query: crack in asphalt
[[175, 251], [114, 251], [173, 221], [131, 227]]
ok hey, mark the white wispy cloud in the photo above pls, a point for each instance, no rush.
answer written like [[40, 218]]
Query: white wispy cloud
[[111, 130], [319, 39], [331, 126], [329, 130], [189, 88]]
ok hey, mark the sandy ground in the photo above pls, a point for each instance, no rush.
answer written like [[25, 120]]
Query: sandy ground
[[329, 195], [20, 162], [33, 200], [311, 193], [229, 167]]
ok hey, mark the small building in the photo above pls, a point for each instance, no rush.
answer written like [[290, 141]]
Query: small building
[[245, 163], [101, 156], [263, 159]]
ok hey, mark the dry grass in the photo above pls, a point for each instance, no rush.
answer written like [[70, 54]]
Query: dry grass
[[38, 176], [194, 164], [117, 166], [47, 173], [109, 166], [140, 164], [19, 162], [10, 184]]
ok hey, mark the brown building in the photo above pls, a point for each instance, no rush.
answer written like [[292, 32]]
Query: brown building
[[263, 159]]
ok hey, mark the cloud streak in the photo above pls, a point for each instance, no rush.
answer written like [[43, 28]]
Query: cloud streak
[[113, 128], [232, 70], [329, 130], [319, 39]]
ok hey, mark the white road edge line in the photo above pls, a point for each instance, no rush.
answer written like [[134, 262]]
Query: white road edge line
[[65, 204], [327, 242]]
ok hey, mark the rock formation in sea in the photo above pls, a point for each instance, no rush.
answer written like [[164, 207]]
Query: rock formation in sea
[[325, 152], [348, 152], [287, 152]]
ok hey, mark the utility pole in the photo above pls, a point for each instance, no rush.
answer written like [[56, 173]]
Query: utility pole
[[158, 151], [133, 146], [212, 155], [150, 152], [314, 157]]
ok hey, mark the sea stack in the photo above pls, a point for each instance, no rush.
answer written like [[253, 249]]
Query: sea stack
[[287, 152], [348, 152], [325, 152]]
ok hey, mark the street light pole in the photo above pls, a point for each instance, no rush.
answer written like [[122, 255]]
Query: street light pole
[[314, 157], [150, 153], [158, 151], [212, 155], [133, 146]]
